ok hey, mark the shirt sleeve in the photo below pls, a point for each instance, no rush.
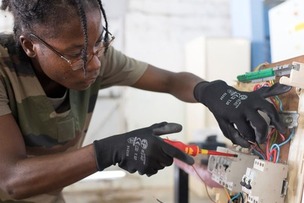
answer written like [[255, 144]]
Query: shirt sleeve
[[119, 69], [4, 101], [4, 107]]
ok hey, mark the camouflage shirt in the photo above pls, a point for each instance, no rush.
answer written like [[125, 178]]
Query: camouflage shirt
[[44, 130]]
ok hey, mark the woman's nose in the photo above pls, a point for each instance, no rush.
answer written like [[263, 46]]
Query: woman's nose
[[93, 64]]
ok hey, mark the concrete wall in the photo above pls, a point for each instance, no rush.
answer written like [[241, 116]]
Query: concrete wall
[[157, 31]]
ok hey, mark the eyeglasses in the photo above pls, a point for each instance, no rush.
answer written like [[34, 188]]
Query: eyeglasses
[[78, 63]]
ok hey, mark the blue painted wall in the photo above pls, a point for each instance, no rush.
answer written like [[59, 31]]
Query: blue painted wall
[[250, 20]]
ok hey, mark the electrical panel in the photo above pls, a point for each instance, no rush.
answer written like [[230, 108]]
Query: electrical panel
[[269, 172], [228, 171], [265, 182], [262, 181]]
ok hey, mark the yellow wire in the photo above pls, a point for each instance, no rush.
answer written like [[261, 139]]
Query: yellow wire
[[228, 195], [209, 196], [274, 137], [258, 67]]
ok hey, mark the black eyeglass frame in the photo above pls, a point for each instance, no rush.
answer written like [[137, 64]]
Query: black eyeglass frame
[[72, 62]]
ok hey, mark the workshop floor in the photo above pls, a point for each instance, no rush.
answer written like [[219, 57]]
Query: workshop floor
[[126, 191], [149, 195]]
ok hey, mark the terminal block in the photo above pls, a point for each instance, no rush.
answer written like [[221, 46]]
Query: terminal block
[[265, 182], [228, 171]]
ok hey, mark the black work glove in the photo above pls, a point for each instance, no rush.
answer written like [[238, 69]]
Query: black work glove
[[140, 150], [237, 112]]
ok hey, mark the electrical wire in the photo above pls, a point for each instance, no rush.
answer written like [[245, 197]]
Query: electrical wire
[[289, 138], [275, 103], [236, 196], [255, 147], [258, 67], [280, 102], [242, 197], [230, 200], [228, 195], [276, 152], [272, 148], [208, 194], [269, 141], [259, 154], [159, 201], [239, 196], [273, 152], [278, 146]]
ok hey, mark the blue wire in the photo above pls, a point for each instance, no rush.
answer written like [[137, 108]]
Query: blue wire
[[260, 154], [281, 144], [235, 197], [278, 153], [289, 138]]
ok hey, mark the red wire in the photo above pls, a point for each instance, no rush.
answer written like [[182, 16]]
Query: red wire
[[282, 137], [268, 153], [257, 148], [256, 87], [274, 155], [267, 147]]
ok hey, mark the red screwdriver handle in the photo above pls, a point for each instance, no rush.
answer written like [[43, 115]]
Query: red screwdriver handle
[[192, 150]]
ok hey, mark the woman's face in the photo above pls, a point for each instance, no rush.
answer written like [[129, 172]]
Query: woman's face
[[69, 43]]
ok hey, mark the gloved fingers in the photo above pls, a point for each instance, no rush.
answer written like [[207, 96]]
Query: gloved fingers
[[164, 160], [245, 129], [148, 171], [176, 153], [274, 90], [167, 128], [129, 169], [273, 114], [152, 173], [155, 164], [232, 133], [158, 125], [142, 170], [260, 126]]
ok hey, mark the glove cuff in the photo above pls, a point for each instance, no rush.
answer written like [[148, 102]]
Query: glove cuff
[[102, 155], [197, 91], [204, 90]]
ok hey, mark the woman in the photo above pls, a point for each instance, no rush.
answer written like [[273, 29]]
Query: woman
[[51, 71]]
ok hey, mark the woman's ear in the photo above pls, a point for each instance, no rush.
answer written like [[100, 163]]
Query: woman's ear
[[27, 46]]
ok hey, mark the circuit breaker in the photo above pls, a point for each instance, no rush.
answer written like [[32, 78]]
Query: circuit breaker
[[266, 182], [228, 171]]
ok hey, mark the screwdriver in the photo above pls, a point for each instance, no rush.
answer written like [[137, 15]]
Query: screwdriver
[[194, 150]]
